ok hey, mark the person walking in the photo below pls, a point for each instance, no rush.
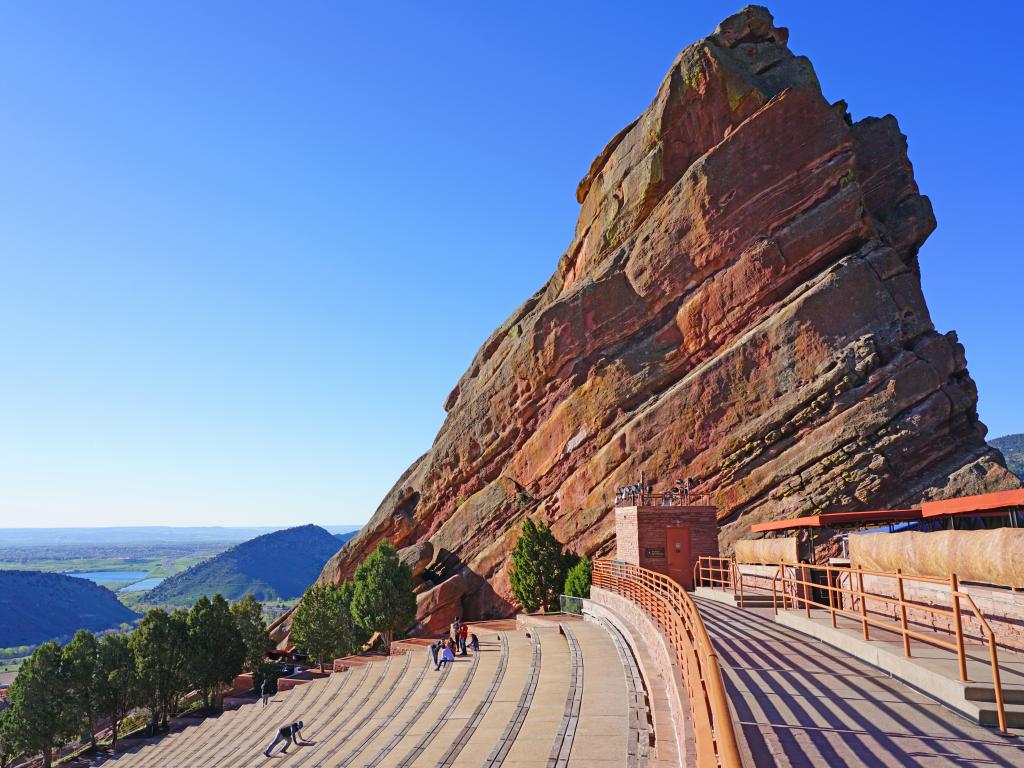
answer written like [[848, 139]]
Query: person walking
[[474, 643], [435, 648], [289, 734], [463, 636], [263, 692]]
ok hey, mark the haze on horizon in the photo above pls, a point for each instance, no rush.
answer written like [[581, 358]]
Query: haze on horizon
[[245, 253]]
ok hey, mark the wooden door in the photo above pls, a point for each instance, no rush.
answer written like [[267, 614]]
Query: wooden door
[[680, 565]]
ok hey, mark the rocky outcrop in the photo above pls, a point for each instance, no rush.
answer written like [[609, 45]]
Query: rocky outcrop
[[741, 304]]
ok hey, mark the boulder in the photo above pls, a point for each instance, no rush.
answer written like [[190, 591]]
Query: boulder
[[740, 304]]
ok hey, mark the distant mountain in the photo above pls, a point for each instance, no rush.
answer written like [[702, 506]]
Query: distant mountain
[[36, 607], [343, 537], [1012, 447], [144, 534], [275, 566]]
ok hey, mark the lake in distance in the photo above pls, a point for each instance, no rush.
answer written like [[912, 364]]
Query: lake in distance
[[135, 581]]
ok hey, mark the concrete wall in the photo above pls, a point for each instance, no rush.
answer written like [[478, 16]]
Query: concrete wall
[[637, 620]]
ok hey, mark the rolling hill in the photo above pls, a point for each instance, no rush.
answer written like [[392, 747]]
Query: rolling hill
[[36, 607], [1012, 447], [275, 566]]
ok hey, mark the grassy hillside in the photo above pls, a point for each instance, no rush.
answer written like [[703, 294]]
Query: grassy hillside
[[36, 607], [1012, 447], [275, 566]]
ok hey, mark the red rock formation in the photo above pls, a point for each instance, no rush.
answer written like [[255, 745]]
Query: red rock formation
[[741, 304]]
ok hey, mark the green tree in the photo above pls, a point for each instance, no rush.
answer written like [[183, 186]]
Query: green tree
[[322, 625], [538, 568], [577, 580], [9, 742], [80, 658], [160, 648], [359, 636], [216, 650], [117, 681], [383, 599], [38, 700], [248, 615]]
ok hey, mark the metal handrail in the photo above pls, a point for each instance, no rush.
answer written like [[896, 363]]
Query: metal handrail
[[677, 616], [801, 595], [721, 573]]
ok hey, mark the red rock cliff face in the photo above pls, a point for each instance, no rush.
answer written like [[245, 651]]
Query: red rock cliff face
[[741, 304]]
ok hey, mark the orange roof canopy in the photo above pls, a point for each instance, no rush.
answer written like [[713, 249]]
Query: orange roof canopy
[[838, 518], [990, 503]]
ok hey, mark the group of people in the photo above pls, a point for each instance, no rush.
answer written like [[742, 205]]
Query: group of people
[[443, 652], [678, 493]]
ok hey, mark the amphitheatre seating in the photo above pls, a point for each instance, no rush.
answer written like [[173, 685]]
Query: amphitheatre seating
[[559, 694]]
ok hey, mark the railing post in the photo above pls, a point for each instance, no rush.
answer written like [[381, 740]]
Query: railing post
[[863, 602], [903, 612], [807, 578], [958, 626], [831, 597]]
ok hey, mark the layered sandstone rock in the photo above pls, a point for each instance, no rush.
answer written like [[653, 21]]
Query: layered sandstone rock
[[741, 304]]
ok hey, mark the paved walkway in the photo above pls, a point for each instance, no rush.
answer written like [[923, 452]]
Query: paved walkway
[[799, 702]]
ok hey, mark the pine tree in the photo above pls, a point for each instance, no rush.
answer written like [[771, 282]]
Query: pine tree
[[383, 599], [160, 648], [248, 615], [38, 702], [359, 636], [216, 651], [81, 663], [322, 625], [577, 581], [9, 742], [538, 568], [117, 681]]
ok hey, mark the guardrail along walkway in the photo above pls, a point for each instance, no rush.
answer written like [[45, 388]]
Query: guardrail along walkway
[[799, 702]]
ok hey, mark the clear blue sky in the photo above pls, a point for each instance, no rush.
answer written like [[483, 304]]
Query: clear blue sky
[[246, 249]]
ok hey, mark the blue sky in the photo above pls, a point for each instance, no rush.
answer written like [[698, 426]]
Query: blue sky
[[246, 249]]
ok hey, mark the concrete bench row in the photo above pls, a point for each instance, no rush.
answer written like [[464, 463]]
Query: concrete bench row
[[565, 694]]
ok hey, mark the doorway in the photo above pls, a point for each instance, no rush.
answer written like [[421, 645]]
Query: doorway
[[680, 565]]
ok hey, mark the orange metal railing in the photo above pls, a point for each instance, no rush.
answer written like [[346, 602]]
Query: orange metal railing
[[719, 573], [796, 584], [676, 614]]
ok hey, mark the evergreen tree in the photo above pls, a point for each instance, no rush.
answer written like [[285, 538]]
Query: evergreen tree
[[38, 699], [383, 599], [577, 581], [117, 681], [322, 625], [216, 651], [9, 743], [159, 646], [248, 615], [81, 663], [359, 636], [538, 568]]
